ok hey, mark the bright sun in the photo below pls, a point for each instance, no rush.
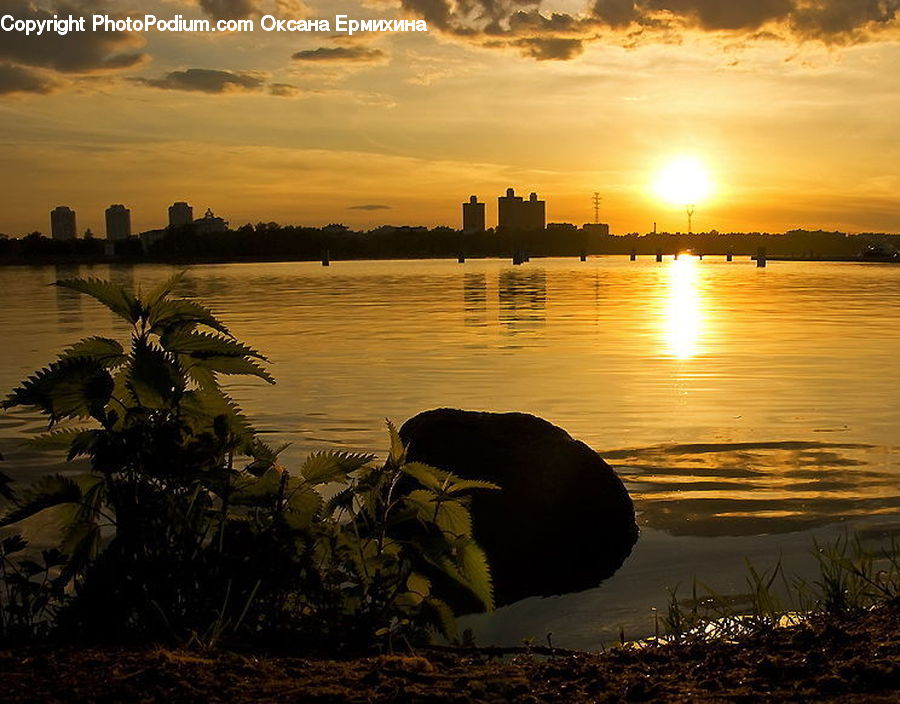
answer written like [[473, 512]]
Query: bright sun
[[683, 181]]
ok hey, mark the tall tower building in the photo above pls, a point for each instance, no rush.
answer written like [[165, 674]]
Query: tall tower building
[[509, 211], [118, 223], [473, 215], [534, 213], [62, 223], [180, 213], [514, 213]]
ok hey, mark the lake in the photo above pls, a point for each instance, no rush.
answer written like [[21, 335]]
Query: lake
[[749, 411]]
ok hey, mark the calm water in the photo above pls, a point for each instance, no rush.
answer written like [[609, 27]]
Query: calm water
[[747, 410]]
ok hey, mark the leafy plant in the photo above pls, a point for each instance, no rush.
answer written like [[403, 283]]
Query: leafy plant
[[188, 527]]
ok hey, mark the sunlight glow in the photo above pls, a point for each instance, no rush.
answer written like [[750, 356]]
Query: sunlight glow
[[683, 315], [683, 181]]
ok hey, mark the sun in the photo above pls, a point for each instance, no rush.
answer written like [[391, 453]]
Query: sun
[[683, 181]]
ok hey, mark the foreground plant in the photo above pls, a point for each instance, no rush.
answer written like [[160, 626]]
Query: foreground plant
[[187, 527]]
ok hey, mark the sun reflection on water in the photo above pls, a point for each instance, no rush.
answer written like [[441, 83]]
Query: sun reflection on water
[[683, 315]]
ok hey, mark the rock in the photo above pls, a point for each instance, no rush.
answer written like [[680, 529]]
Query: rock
[[563, 521]]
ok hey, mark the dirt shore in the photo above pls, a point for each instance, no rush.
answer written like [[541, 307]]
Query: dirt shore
[[853, 659]]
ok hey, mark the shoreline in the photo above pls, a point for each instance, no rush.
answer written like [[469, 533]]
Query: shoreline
[[123, 261], [853, 658]]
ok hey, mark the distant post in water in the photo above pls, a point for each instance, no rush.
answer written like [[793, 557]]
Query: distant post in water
[[583, 256], [659, 255], [761, 258], [326, 258], [729, 256], [633, 255], [461, 258]]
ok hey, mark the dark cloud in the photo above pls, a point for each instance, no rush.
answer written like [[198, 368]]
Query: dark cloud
[[229, 9], [78, 52], [550, 48], [524, 25], [371, 206], [284, 90], [16, 79], [204, 80], [722, 14], [340, 53]]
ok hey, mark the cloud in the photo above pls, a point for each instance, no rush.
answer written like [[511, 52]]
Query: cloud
[[15, 79], [229, 9], [528, 26], [241, 9], [284, 90], [371, 206], [340, 54], [550, 48], [76, 52], [204, 80]]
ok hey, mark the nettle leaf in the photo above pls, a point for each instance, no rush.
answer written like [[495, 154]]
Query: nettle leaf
[[231, 365], [397, 453], [114, 297], [424, 474], [303, 505], [48, 491], [449, 515], [163, 289], [441, 617], [153, 379], [201, 344], [182, 313], [75, 441], [207, 407], [106, 351], [468, 566], [75, 387], [332, 466]]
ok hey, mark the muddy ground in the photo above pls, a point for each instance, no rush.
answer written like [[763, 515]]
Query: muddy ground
[[852, 659]]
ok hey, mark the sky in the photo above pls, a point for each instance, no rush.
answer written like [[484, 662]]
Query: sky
[[789, 105]]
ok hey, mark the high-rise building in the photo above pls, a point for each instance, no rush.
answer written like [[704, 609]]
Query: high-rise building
[[62, 223], [473, 215], [534, 213], [118, 223], [514, 213], [509, 211], [180, 213]]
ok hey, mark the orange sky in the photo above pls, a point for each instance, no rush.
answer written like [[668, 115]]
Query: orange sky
[[791, 105]]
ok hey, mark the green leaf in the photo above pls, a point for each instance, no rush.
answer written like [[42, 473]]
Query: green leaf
[[163, 289], [55, 440], [48, 491], [303, 505], [230, 365], [397, 454], [203, 407], [76, 387], [153, 379], [468, 566], [449, 515], [113, 296], [424, 474], [182, 313], [332, 466], [441, 616], [104, 350], [202, 344]]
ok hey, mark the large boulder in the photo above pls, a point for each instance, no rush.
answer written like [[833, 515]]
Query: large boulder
[[563, 521]]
